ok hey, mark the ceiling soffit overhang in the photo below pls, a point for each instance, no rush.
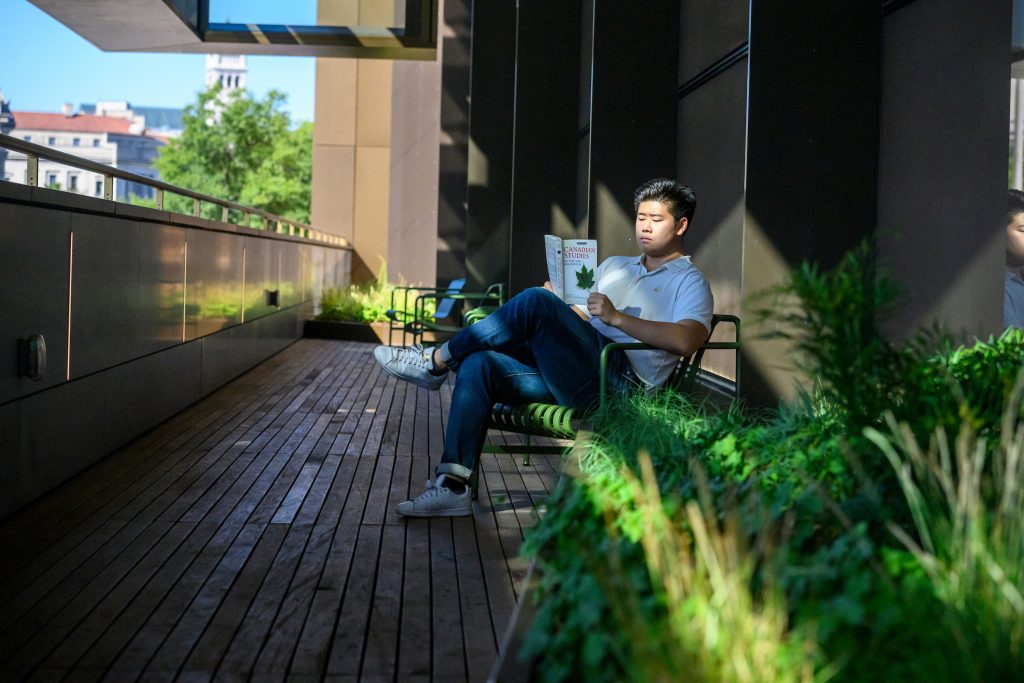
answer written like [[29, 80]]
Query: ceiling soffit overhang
[[181, 26]]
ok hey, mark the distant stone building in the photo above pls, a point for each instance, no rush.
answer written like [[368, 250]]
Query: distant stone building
[[113, 140], [165, 121], [228, 70]]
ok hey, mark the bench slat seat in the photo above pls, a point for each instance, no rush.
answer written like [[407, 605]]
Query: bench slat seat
[[561, 422]]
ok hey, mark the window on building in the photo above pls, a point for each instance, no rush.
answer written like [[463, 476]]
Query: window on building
[[73, 182], [99, 188], [76, 142], [95, 142], [51, 140], [51, 178]]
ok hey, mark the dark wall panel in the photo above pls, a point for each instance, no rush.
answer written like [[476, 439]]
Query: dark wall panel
[[261, 271], [712, 158], [34, 258], [456, 44], [709, 30], [105, 293], [812, 157], [292, 286], [213, 287], [161, 286], [489, 193], [813, 136], [942, 185], [634, 114], [546, 119]]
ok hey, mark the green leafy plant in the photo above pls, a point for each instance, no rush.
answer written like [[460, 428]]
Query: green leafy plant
[[880, 604], [366, 303], [967, 504]]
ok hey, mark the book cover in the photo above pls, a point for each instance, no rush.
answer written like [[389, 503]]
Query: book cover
[[572, 267]]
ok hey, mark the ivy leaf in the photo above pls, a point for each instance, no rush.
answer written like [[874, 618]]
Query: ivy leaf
[[584, 278]]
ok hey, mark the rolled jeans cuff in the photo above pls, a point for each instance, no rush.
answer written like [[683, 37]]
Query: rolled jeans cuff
[[454, 469]]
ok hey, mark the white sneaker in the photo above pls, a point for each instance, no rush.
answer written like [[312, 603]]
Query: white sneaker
[[412, 364], [438, 501]]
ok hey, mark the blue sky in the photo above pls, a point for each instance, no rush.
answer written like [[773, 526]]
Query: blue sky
[[46, 64]]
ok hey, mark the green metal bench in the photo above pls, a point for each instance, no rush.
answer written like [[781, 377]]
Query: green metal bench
[[412, 316], [560, 422]]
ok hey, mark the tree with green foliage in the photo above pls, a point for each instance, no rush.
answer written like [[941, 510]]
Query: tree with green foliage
[[242, 149]]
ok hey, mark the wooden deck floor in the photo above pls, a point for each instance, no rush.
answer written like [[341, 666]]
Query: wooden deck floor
[[253, 536]]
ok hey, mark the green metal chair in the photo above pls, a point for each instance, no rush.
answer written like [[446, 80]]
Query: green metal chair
[[414, 317], [560, 422]]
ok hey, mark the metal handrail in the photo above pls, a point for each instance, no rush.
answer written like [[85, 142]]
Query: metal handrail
[[34, 152]]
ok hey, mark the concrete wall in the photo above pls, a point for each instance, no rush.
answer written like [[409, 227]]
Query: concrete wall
[[143, 313]]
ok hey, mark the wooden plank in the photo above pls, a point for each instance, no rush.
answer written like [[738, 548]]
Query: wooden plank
[[501, 592], [229, 611], [446, 620], [479, 638], [63, 557], [317, 494], [240, 655], [85, 634], [381, 650], [133, 616], [350, 627], [312, 647], [415, 654], [292, 562], [150, 636], [62, 610], [273, 660]]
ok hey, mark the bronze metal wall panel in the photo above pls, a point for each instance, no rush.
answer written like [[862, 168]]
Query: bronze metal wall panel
[[104, 293], [261, 276], [148, 390], [290, 266], [34, 265], [709, 30], [712, 158], [161, 286], [63, 431], [213, 287]]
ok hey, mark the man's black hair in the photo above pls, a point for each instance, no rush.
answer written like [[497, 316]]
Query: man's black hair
[[681, 200], [1014, 204]]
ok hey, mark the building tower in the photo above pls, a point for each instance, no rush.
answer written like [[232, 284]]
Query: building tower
[[228, 70]]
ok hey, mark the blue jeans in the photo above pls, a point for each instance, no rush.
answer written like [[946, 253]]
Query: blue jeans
[[534, 348]]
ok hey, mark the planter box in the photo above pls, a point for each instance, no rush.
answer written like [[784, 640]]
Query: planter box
[[376, 333]]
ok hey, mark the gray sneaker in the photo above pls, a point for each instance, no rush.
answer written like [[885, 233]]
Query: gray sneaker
[[413, 364], [438, 501]]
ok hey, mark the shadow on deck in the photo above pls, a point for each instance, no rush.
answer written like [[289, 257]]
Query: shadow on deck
[[254, 535]]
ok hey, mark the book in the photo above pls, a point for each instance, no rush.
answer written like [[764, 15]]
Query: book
[[572, 267]]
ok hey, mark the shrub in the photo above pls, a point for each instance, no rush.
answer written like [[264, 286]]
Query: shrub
[[887, 590]]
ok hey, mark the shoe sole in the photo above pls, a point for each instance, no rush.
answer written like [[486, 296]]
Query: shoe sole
[[410, 380], [438, 513]]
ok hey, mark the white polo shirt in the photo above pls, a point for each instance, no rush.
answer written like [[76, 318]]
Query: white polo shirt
[[674, 292]]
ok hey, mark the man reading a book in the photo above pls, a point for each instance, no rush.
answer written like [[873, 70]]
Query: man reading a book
[[536, 348]]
